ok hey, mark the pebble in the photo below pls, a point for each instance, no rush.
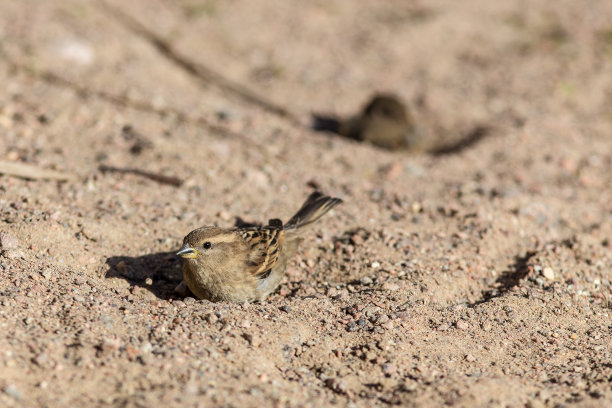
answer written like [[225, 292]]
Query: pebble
[[110, 344], [366, 280], [224, 215], [337, 294], [394, 170], [12, 391], [535, 404], [462, 325], [389, 369], [548, 273], [12, 253], [443, 327], [75, 51], [41, 359], [285, 309], [390, 286], [357, 240], [375, 265], [8, 241], [253, 339], [388, 326], [335, 385], [409, 386], [382, 319]]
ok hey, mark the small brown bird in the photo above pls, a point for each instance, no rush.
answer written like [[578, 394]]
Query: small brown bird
[[246, 264], [383, 122]]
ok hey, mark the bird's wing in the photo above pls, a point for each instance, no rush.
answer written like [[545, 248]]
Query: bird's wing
[[265, 245]]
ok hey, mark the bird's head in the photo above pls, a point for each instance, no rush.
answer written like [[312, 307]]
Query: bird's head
[[208, 244]]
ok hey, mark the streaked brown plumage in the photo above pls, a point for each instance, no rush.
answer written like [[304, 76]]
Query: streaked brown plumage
[[246, 264]]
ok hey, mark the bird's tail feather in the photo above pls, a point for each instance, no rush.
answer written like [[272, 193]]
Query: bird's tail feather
[[315, 206]]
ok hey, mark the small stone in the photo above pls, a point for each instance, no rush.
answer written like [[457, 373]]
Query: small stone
[[224, 215], [8, 241], [409, 386], [443, 327], [12, 253], [382, 319], [285, 309], [389, 286], [46, 273], [337, 294], [211, 318], [548, 273], [253, 339], [41, 359], [75, 51], [336, 385], [470, 358], [375, 265], [462, 325], [388, 326], [356, 239], [109, 344], [366, 280], [389, 369], [147, 347], [394, 170], [12, 391], [534, 404], [416, 207], [148, 281]]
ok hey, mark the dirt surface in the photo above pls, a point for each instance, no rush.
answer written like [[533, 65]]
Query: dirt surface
[[479, 277]]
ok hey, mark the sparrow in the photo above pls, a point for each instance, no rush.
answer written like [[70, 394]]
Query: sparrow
[[384, 121], [246, 264]]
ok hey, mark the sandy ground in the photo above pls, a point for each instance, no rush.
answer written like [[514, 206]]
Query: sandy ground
[[475, 278]]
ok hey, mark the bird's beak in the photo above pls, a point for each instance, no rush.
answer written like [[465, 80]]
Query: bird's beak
[[187, 252]]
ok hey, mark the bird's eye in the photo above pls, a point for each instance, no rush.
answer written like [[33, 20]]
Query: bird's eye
[[207, 245]]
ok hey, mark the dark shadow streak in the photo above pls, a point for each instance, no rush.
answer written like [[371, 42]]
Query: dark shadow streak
[[325, 123], [160, 178], [465, 142], [164, 268], [508, 279]]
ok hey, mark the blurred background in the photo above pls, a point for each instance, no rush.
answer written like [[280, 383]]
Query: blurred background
[[472, 270]]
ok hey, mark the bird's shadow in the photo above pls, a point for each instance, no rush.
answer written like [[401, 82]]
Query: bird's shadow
[[163, 269]]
